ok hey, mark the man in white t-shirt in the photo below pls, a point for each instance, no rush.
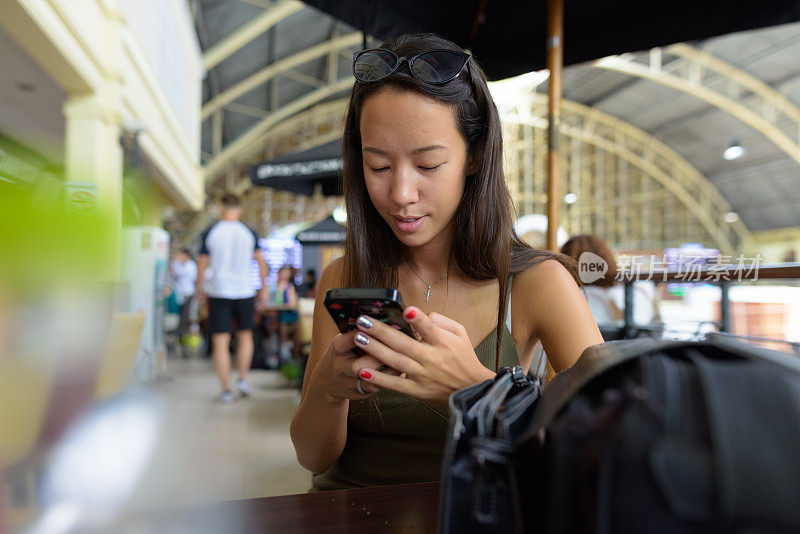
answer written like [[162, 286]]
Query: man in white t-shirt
[[227, 250]]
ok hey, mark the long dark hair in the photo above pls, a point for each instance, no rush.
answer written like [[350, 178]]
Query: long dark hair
[[485, 245]]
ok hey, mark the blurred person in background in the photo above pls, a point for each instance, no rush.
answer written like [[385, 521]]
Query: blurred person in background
[[226, 252], [183, 274], [308, 288], [605, 296], [598, 293], [283, 297]]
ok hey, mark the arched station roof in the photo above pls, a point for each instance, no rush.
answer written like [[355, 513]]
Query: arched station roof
[[269, 61]]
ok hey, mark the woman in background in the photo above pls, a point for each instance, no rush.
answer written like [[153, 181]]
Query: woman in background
[[282, 297], [606, 296], [598, 293]]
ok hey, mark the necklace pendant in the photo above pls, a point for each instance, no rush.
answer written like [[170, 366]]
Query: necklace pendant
[[428, 294]]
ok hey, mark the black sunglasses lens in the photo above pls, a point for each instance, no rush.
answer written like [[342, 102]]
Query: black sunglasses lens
[[437, 66], [374, 65]]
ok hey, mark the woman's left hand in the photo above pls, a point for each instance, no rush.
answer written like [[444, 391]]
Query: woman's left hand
[[430, 369]]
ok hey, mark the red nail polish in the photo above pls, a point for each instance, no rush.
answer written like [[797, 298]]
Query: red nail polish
[[366, 375], [411, 314]]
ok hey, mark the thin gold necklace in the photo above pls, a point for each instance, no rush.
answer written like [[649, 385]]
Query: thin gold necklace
[[428, 292]]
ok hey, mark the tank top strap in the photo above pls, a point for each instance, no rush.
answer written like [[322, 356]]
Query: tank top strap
[[508, 303]]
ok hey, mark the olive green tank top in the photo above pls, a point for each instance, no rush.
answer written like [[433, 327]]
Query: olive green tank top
[[398, 439]]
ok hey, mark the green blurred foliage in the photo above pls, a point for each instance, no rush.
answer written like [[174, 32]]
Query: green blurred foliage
[[43, 244], [292, 370]]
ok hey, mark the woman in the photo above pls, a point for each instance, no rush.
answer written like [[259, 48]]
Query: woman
[[599, 293], [282, 297], [428, 213], [606, 298]]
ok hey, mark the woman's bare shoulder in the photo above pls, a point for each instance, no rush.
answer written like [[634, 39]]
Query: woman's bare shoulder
[[331, 276], [543, 277], [556, 311], [537, 289]]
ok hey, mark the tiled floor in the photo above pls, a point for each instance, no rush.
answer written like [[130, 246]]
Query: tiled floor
[[212, 452]]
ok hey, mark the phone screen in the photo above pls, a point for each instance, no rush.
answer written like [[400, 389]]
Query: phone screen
[[345, 305]]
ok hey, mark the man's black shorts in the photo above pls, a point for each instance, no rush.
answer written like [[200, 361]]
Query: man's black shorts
[[221, 311]]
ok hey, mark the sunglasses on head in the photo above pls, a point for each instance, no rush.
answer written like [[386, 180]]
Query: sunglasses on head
[[435, 66]]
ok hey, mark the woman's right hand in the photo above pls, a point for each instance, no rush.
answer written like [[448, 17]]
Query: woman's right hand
[[336, 374]]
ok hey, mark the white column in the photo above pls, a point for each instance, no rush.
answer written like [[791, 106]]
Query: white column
[[93, 154]]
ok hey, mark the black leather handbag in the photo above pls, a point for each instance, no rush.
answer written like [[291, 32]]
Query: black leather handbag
[[479, 479]]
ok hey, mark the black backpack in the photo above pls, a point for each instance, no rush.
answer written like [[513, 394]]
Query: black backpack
[[664, 437]]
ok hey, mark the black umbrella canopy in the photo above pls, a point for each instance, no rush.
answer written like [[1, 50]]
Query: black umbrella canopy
[[508, 37], [302, 171], [325, 232]]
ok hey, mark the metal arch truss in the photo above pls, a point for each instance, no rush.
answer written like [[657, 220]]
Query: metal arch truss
[[234, 42], [262, 76], [314, 127], [704, 76], [255, 138], [311, 128], [631, 188], [265, 208]]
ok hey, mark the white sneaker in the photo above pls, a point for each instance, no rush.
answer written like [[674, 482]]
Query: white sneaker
[[244, 387], [226, 397]]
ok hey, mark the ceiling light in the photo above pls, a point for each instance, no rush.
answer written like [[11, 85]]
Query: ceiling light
[[340, 214], [735, 151], [570, 198], [731, 217]]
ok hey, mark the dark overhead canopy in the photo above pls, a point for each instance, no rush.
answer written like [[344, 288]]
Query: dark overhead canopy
[[508, 37], [325, 232], [302, 171]]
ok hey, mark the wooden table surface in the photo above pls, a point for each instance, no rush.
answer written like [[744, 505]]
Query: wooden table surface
[[405, 508]]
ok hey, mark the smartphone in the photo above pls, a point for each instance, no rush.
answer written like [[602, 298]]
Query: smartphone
[[346, 304]]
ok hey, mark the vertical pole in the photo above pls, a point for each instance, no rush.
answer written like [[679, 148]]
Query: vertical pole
[[628, 311], [529, 169], [4, 504], [333, 59], [555, 60], [725, 306], [216, 132]]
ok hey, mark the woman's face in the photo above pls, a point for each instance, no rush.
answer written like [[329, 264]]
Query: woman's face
[[415, 163]]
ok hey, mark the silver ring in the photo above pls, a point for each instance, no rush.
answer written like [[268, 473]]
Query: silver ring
[[358, 387]]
